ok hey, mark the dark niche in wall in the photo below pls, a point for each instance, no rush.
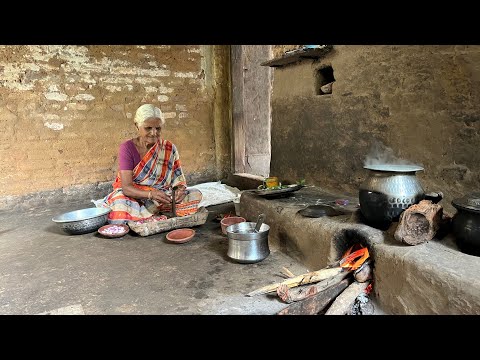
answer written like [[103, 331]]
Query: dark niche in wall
[[324, 80]]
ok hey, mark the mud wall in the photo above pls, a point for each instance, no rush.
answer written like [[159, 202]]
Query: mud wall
[[65, 109], [419, 101]]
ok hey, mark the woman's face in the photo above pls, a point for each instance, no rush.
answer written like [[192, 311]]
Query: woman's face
[[150, 130]]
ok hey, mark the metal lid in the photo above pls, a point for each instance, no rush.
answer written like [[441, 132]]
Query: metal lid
[[394, 167], [468, 202]]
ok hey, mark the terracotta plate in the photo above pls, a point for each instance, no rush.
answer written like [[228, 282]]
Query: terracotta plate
[[180, 236], [109, 230]]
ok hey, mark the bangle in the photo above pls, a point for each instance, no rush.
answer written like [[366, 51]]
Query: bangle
[[150, 195]]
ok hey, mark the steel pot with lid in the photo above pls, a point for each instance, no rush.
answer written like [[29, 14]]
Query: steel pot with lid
[[466, 223], [388, 191]]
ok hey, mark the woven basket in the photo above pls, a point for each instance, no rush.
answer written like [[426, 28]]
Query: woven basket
[[155, 227]]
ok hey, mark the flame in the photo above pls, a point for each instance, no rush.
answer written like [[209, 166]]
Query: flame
[[369, 288], [352, 260]]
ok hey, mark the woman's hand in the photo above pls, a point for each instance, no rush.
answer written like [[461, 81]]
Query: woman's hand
[[180, 194], [161, 197]]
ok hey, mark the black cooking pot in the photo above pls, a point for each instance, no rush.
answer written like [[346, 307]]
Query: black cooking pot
[[389, 190], [466, 223]]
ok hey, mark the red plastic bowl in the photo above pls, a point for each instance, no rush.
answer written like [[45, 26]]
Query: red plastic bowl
[[180, 236], [227, 221]]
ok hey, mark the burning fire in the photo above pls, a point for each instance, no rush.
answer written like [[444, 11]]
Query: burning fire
[[354, 257], [369, 289]]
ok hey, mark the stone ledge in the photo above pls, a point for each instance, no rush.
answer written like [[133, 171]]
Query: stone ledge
[[431, 278], [293, 56]]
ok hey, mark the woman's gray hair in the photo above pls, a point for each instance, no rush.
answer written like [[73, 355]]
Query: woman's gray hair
[[147, 111]]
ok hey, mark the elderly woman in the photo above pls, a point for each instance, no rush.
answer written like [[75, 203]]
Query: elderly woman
[[148, 169]]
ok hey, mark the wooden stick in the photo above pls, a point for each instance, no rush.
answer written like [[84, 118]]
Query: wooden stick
[[308, 278], [291, 295], [316, 303], [288, 272]]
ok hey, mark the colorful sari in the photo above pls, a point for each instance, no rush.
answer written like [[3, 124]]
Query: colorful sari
[[159, 169]]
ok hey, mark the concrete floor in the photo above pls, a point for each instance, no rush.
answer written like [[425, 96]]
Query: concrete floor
[[44, 270]]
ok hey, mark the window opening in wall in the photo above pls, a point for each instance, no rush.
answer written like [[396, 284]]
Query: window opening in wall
[[323, 80]]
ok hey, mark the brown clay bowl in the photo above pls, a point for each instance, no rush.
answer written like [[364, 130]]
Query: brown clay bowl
[[180, 236], [227, 221]]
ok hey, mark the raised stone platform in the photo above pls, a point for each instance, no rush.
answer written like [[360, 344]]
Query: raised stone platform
[[431, 278]]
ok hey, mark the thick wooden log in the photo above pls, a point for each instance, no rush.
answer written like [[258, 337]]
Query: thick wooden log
[[316, 303], [344, 302], [283, 292], [308, 278], [364, 272], [419, 223], [296, 294]]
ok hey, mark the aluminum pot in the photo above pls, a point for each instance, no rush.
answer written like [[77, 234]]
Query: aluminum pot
[[245, 245], [466, 223], [388, 191]]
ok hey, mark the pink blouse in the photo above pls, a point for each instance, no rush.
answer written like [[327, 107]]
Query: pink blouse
[[128, 156]]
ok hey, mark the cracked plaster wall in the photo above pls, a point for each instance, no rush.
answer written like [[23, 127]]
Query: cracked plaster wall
[[65, 109]]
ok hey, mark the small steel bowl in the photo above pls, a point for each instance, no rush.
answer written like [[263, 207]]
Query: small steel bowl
[[82, 221]]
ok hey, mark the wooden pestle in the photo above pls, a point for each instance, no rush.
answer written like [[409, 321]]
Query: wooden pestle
[[174, 209]]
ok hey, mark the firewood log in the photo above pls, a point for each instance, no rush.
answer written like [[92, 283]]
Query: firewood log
[[308, 278], [364, 272], [291, 295], [344, 302], [316, 303], [419, 223]]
